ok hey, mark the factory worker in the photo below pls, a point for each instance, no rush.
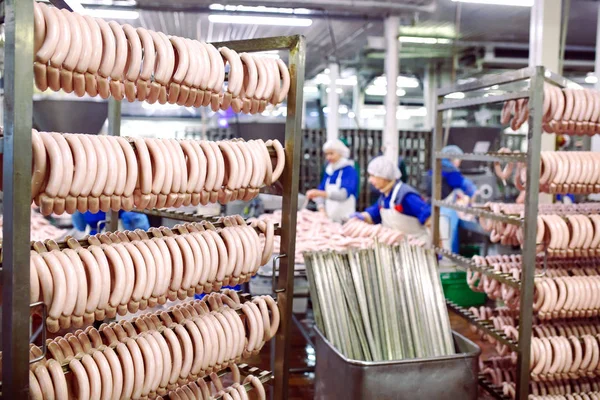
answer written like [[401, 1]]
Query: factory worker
[[131, 221], [456, 189], [399, 206], [337, 193], [452, 178]]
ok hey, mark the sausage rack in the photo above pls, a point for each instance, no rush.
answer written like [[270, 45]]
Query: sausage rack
[[17, 154], [535, 94]]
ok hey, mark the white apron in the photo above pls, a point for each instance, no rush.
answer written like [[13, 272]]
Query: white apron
[[391, 218], [338, 211]]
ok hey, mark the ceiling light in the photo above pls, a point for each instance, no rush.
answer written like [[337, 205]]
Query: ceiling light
[[400, 92], [326, 71], [343, 109], [351, 115], [591, 79], [325, 110], [256, 20], [401, 81], [260, 9], [337, 90], [376, 91], [455, 95], [423, 40], [522, 3], [111, 13], [311, 89]]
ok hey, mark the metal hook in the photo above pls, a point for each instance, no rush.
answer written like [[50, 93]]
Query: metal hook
[[274, 277], [44, 316], [100, 223]]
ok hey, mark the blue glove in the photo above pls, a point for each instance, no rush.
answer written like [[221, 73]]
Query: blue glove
[[357, 215]]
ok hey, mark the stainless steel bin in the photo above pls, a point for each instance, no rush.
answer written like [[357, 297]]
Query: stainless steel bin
[[448, 377]]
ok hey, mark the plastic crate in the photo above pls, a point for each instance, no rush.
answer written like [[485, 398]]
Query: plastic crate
[[457, 290]]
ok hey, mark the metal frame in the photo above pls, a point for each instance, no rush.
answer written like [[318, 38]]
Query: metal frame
[[535, 94], [18, 105]]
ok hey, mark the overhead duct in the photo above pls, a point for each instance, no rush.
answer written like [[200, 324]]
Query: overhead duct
[[369, 7]]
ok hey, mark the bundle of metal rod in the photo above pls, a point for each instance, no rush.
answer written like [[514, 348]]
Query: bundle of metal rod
[[379, 304]]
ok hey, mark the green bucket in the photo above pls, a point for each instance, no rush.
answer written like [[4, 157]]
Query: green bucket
[[457, 290]]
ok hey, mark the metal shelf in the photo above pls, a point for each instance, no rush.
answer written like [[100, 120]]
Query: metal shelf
[[484, 325], [188, 217], [507, 219], [475, 101], [467, 264], [486, 157], [494, 390]]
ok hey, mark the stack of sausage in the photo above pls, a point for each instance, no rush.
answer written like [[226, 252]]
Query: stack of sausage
[[126, 271], [575, 172], [96, 172], [562, 230], [82, 54], [159, 354], [315, 232], [567, 111]]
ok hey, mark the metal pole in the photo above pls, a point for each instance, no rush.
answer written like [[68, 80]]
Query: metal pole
[[114, 129], [534, 141], [436, 166], [290, 180], [18, 92], [333, 102], [595, 145], [544, 50], [429, 94], [390, 130]]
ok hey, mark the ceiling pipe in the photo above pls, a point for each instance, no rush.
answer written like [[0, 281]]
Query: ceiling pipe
[[351, 6]]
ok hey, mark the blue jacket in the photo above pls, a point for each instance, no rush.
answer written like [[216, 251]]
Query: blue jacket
[[408, 202], [349, 180], [131, 220], [452, 179]]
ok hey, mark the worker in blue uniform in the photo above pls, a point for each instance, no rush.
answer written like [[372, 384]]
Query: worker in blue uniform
[[454, 185], [338, 191], [130, 220], [399, 205]]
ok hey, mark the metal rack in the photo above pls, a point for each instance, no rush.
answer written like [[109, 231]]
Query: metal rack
[[535, 94], [17, 144]]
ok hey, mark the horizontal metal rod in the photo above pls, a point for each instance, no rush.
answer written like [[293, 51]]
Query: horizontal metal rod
[[485, 157], [490, 80], [466, 263], [475, 101], [507, 219], [482, 325], [493, 390]]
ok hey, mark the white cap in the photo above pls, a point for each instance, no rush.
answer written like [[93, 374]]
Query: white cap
[[338, 146], [382, 167]]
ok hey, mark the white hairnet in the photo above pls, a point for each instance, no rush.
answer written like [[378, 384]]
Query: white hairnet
[[382, 167], [338, 146], [452, 149]]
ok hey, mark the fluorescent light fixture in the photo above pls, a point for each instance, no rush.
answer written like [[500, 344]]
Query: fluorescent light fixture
[[407, 82], [400, 92], [337, 90], [314, 113], [111, 13], [325, 110], [376, 91], [495, 87], [349, 81], [257, 20], [426, 29], [259, 9], [311, 89], [351, 115], [343, 109], [455, 95], [521, 3], [326, 71], [401, 82], [423, 40], [591, 79]]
